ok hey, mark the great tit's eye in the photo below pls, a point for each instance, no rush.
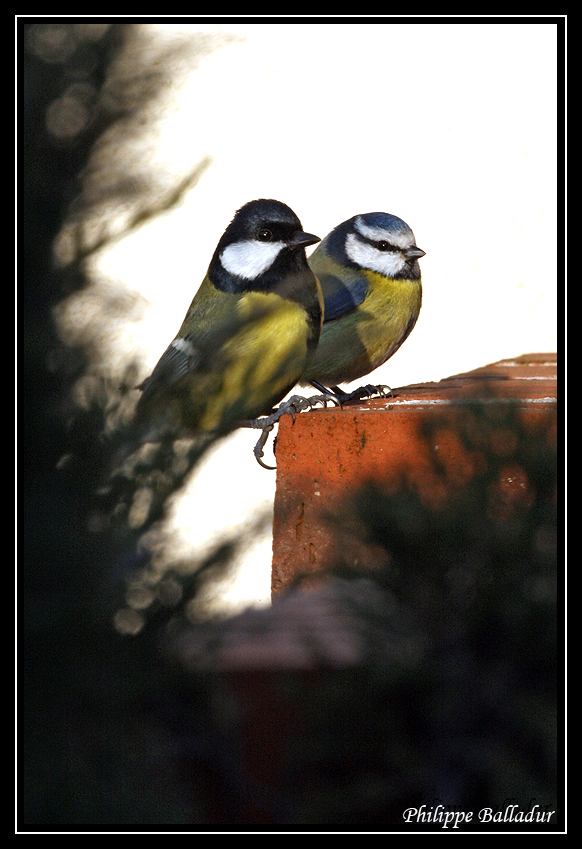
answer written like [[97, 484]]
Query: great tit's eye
[[384, 246], [264, 235]]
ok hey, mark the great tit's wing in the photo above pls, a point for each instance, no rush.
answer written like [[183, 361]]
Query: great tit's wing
[[201, 353], [177, 360], [341, 297]]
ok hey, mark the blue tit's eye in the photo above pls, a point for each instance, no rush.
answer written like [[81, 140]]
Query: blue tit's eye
[[385, 246], [264, 235]]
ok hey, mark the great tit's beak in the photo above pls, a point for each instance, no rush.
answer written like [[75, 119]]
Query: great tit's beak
[[302, 240], [414, 252]]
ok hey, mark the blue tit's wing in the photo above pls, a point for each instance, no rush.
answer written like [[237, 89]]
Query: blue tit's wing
[[177, 360], [340, 296]]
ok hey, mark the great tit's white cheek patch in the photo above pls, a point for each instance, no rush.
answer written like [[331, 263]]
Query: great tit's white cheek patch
[[401, 237], [388, 263], [249, 259]]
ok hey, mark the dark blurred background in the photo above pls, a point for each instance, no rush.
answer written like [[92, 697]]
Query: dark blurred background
[[88, 701], [452, 696]]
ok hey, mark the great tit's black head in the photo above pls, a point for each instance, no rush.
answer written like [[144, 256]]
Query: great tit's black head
[[264, 242], [377, 241]]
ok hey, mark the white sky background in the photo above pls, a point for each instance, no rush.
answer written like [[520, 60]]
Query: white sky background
[[450, 126]]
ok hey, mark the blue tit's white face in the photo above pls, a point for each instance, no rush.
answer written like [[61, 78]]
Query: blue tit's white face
[[249, 258], [381, 249]]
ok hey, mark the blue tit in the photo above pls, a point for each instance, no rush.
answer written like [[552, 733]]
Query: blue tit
[[248, 332], [370, 277]]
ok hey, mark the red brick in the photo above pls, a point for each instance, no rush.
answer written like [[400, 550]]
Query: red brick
[[327, 453]]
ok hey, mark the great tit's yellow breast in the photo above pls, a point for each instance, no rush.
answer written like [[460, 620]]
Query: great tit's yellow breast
[[260, 362]]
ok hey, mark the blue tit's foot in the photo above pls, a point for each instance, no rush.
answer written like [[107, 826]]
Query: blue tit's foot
[[367, 391], [336, 393], [342, 397], [295, 404]]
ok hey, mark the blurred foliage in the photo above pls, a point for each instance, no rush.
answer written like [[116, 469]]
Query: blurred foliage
[[431, 679], [453, 695], [473, 719], [94, 745]]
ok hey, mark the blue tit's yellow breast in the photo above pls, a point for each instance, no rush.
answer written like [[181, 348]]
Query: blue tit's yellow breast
[[359, 341], [387, 315]]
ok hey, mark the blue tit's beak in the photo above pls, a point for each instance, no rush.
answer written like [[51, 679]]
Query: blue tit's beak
[[414, 252], [302, 240]]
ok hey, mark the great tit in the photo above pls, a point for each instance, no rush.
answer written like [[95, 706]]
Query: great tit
[[370, 277], [248, 332]]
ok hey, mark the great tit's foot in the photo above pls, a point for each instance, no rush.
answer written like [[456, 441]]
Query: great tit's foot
[[258, 449], [295, 404]]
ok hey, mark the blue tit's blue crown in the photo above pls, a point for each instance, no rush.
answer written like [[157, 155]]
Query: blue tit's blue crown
[[384, 221], [391, 225]]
